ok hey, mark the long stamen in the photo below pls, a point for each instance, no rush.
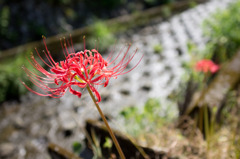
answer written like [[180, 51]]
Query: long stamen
[[47, 49], [63, 48], [72, 43], [84, 42]]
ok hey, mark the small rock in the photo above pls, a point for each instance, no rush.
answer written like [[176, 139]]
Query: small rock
[[7, 149], [19, 123], [67, 121]]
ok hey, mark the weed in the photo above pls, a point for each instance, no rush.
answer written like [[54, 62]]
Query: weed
[[157, 48], [10, 75]]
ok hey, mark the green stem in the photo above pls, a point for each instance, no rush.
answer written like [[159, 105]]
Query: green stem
[[106, 123], [206, 126]]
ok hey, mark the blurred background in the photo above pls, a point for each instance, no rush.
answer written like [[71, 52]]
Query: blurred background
[[27, 21], [165, 103]]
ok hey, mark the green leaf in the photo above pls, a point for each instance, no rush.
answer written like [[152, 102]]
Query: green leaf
[[107, 143], [77, 147]]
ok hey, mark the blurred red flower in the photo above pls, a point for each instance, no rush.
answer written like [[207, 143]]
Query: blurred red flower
[[206, 65]]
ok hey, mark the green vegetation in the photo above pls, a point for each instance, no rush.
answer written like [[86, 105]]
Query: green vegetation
[[10, 76], [77, 147], [151, 117], [4, 19], [223, 31], [108, 143], [157, 48], [192, 3], [166, 11], [103, 35]]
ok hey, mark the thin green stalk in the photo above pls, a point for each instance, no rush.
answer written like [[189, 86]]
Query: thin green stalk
[[206, 128], [206, 122], [107, 125], [201, 119]]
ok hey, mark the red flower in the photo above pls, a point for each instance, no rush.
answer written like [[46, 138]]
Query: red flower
[[84, 68], [206, 65], [55, 82]]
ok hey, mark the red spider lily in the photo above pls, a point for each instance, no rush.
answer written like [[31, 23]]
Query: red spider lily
[[56, 81], [85, 68], [206, 65]]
